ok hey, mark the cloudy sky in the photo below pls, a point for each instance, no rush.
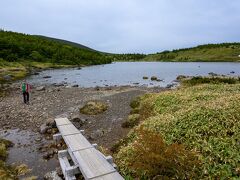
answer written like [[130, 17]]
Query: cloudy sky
[[126, 26]]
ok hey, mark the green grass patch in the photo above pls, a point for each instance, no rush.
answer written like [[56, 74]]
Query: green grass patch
[[204, 118], [6, 172], [210, 80], [225, 52]]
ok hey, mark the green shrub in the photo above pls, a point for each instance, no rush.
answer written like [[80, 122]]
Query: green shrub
[[210, 80], [203, 118], [132, 121], [151, 157]]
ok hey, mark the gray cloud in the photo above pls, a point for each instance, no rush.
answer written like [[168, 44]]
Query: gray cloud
[[126, 25]]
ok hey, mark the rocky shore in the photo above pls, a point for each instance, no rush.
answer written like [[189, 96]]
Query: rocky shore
[[48, 102]]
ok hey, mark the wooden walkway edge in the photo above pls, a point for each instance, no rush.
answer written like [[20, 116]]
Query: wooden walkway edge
[[82, 156]]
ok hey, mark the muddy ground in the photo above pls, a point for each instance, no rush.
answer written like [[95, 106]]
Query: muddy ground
[[21, 123]]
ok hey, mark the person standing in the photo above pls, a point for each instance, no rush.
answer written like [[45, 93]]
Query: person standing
[[25, 91]]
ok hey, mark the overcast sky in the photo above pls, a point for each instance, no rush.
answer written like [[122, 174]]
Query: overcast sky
[[126, 26]]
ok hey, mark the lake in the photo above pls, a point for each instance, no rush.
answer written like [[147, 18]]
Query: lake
[[131, 73]]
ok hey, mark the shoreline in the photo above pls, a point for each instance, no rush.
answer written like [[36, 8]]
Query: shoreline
[[20, 121]]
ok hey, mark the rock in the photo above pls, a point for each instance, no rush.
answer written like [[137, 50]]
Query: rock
[[169, 86], [59, 171], [35, 73], [232, 72], [53, 175], [41, 88], [97, 88], [46, 155], [94, 107], [46, 77], [43, 128], [51, 123], [212, 74], [75, 85], [79, 68], [38, 139], [98, 133], [77, 121], [154, 78], [158, 80], [7, 77], [58, 84], [145, 77], [181, 77]]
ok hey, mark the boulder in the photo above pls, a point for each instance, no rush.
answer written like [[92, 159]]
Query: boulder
[[181, 77], [46, 77], [58, 84], [51, 123], [53, 175], [75, 85], [8, 77], [41, 88], [212, 74], [154, 78], [77, 121], [98, 133], [159, 80], [145, 77], [43, 128], [35, 73]]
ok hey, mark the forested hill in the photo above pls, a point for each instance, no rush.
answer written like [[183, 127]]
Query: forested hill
[[208, 52], [17, 47], [66, 42]]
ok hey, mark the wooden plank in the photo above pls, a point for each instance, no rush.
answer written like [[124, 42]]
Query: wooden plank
[[68, 129], [77, 142], [92, 164], [62, 121], [64, 163], [111, 176]]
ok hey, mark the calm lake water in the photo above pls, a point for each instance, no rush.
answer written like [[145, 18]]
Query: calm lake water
[[131, 73]]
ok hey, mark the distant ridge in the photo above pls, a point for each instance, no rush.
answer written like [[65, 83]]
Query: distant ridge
[[66, 42]]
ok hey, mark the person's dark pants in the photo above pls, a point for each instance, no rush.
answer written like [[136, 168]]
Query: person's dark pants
[[26, 97]]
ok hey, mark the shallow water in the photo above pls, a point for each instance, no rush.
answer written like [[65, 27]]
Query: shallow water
[[131, 73], [25, 150]]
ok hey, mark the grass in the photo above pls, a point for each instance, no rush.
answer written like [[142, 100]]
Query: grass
[[204, 53], [6, 172], [205, 118], [19, 70], [209, 80], [94, 108]]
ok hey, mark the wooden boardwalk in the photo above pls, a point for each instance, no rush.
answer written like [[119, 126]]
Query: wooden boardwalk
[[82, 156]]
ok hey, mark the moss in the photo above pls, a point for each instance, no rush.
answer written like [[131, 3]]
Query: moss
[[132, 121], [209, 80], [135, 103], [4, 144], [6, 172], [94, 108]]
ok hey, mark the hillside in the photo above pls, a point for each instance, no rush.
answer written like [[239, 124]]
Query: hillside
[[19, 53], [15, 47], [209, 52], [66, 42]]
